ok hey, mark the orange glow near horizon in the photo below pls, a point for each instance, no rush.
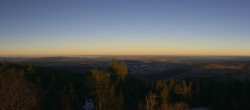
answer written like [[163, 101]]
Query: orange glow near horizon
[[127, 50]]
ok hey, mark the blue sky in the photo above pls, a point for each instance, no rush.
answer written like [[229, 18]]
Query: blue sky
[[124, 27]]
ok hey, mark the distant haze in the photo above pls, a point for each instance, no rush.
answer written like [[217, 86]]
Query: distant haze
[[128, 27]]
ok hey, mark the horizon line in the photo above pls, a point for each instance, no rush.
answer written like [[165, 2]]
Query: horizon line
[[111, 55]]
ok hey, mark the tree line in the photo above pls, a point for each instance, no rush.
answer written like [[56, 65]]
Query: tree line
[[25, 87]]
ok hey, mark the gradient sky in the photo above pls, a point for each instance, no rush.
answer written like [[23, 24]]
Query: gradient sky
[[124, 27]]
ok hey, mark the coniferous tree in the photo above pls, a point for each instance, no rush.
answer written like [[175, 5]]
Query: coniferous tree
[[69, 98], [15, 91]]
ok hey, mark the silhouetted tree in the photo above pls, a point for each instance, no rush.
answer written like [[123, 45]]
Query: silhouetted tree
[[151, 101], [119, 69], [100, 86], [15, 92], [69, 98]]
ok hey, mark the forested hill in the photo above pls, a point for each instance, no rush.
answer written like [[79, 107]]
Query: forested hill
[[25, 86]]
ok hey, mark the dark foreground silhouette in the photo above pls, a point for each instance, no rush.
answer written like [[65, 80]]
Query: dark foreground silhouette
[[23, 87]]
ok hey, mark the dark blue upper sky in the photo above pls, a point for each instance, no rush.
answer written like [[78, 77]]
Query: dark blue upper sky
[[83, 27]]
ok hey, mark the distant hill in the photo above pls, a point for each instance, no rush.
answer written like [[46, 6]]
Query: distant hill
[[222, 66]]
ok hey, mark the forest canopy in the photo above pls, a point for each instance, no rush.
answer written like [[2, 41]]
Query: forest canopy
[[28, 87]]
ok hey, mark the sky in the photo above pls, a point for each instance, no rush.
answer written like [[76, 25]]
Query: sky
[[124, 27]]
